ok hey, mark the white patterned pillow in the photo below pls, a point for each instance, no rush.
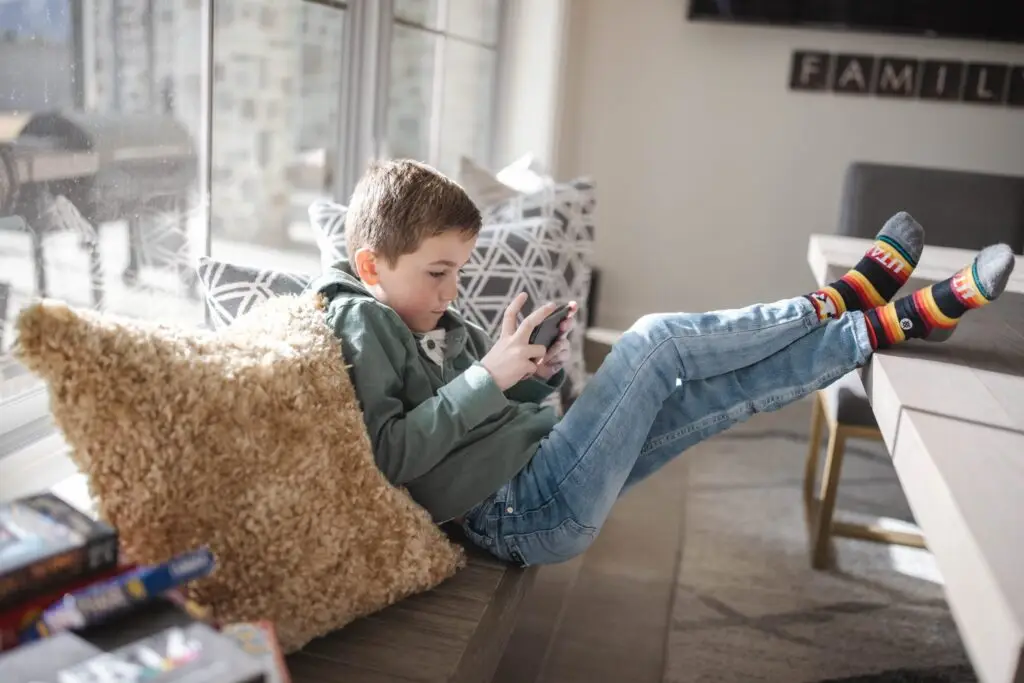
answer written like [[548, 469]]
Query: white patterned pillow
[[525, 175], [481, 185], [523, 190], [572, 205], [231, 289], [328, 221], [510, 258]]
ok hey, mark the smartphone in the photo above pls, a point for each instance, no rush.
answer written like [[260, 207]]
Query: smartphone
[[548, 331]]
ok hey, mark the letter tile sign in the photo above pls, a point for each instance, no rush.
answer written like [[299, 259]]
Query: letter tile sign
[[909, 78]]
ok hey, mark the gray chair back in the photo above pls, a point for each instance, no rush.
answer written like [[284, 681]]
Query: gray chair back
[[957, 208]]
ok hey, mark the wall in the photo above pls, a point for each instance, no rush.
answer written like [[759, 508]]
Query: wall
[[711, 173]]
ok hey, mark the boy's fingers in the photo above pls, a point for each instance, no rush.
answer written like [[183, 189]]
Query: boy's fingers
[[536, 351], [511, 317], [570, 319], [535, 319]]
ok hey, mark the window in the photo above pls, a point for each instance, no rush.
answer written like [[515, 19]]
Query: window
[[198, 127], [278, 68], [305, 92], [101, 153], [442, 80]]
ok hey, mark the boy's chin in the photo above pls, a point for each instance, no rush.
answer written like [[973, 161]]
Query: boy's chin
[[425, 323]]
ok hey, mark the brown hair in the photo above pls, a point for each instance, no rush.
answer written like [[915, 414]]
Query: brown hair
[[398, 204]]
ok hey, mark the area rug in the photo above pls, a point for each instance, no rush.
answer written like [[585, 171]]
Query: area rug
[[747, 605]]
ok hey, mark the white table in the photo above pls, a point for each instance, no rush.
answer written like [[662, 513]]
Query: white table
[[952, 416]]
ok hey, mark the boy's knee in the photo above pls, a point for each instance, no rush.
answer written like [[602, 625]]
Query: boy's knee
[[649, 324], [647, 329]]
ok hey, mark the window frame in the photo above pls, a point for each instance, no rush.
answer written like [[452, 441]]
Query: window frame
[[362, 133]]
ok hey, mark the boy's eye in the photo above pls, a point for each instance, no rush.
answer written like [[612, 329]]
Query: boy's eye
[[440, 274]]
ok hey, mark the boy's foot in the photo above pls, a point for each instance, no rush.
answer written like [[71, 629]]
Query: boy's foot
[[874, 281], [934, 311]]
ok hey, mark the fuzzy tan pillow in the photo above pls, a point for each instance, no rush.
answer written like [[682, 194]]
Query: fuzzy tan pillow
[[249, 440]]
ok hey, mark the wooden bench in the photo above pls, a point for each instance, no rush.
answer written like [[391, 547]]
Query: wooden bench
[[456, 632]]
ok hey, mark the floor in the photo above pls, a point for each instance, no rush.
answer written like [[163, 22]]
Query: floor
[[625, 611], [605, 616]]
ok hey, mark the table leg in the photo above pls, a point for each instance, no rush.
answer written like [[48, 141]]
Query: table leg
[[39, 261]]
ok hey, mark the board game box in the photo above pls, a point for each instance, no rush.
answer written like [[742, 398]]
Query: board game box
[[157, 644], [105, 599], [15, 619], [259, 639], [45, 542]]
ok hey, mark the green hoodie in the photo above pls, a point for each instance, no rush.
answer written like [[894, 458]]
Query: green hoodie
[[448, 434]]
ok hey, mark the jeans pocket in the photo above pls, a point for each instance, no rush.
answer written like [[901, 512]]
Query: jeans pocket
[[480, 536], [550, 546], [503, 496]]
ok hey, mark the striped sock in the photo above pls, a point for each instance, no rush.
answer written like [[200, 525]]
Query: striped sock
[[876, 278], [940, 306]]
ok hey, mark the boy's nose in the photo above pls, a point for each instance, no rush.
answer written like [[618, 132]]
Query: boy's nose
[[450, 291]]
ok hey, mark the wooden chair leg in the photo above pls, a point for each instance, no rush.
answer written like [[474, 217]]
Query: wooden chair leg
[[821, 531], [813, 449]]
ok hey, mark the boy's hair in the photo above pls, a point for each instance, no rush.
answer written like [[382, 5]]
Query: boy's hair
[[398, 204]]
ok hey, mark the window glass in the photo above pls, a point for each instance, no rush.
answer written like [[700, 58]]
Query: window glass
[[100, 128], [276, 85], [442, 81]]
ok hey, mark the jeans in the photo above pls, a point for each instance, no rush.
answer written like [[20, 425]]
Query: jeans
[[671, 381]]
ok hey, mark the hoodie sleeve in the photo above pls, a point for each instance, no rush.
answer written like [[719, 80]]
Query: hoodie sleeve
[[408, 441], [535, 389]]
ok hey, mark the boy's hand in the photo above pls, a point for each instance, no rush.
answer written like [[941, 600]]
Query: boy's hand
[[513, 357], [558, 355]]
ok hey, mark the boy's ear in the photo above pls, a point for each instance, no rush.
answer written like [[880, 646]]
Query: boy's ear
[[366, 266]]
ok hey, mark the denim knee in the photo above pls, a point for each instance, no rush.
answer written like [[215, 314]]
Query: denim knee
[[643, 335], [650, 327]]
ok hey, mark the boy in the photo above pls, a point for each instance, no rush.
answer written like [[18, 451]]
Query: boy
[[456, 419]]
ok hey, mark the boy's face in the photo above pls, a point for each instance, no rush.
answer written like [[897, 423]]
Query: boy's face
[[422, 284]]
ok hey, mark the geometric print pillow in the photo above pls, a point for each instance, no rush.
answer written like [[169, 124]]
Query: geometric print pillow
[[510, 258], [231, 290], [328, 221], [572, 205]]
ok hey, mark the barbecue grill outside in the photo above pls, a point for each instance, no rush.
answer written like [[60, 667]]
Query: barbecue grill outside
[[139, 159], [141, 169]]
